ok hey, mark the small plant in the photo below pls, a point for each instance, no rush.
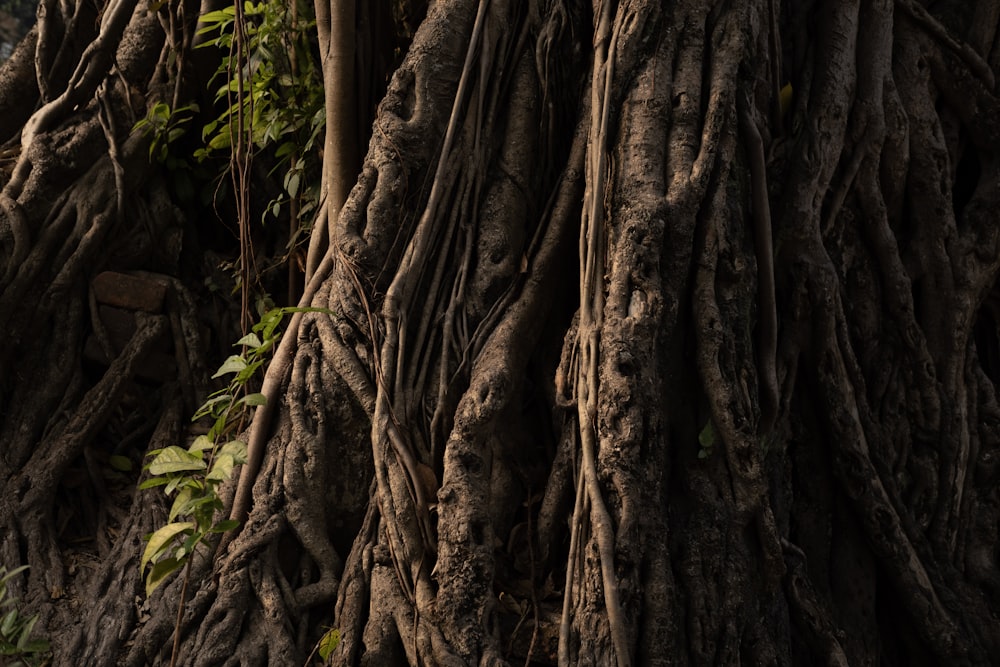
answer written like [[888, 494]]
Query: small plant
[[325, 646], [193, 475], [15, 629], [706, 441], [277, 89], [166, 126]]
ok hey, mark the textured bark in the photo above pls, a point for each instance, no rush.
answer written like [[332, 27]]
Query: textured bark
[[660, 334]]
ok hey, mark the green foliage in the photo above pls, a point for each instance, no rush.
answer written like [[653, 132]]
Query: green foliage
[[327, 643], [706, 439], [16, 644], [275, 87], [120, 463], [325, 646], [270, 90], [166, 126], [192, 476]]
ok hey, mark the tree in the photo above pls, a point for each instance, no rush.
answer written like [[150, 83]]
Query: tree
[[661, 333]]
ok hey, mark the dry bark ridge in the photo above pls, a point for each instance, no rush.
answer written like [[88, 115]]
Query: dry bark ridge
[[581, 233]]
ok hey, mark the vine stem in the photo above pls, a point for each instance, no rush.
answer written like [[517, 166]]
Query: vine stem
[[241, 158], [593, 240], [180, 614], [767, 343], [264, 414]]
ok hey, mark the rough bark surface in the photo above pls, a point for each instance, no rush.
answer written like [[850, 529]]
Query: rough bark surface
[[661, 333]]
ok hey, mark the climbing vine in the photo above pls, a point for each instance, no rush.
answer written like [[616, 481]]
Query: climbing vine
[[272, 92]]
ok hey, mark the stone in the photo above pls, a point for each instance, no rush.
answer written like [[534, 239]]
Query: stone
[[129, 292]]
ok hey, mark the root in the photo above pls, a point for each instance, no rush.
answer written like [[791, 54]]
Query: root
[[592, 261], [117, 587], [29, 514], [91, 71], [274, 379]]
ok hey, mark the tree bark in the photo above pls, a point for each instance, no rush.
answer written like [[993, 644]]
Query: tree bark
[[650, 334]]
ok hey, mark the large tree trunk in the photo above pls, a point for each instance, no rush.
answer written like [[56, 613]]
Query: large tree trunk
[[661, 333]]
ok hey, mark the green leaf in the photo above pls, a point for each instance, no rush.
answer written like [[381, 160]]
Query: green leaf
[[187, 547], [269, 321], [6, 575], [154, 481], [209, 406], [201, 443], [292, 183], [251, 340], [160, 113], [159, 573], [235, 448], [175, 459], [224, 526], [173, 483], [248, 372], [328, 643], [29, 624], [219, 426], [253, 400], [234, 364], [222, 467], [707, 436], [181, 503], [120, 463], [208, 129], [175, 134], [263, 305], [286, 148], [159, 540], [220, 16], [220, 140], [35, 646], [7, 625]]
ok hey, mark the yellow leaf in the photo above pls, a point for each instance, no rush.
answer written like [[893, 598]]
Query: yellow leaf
[[159, 540]]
